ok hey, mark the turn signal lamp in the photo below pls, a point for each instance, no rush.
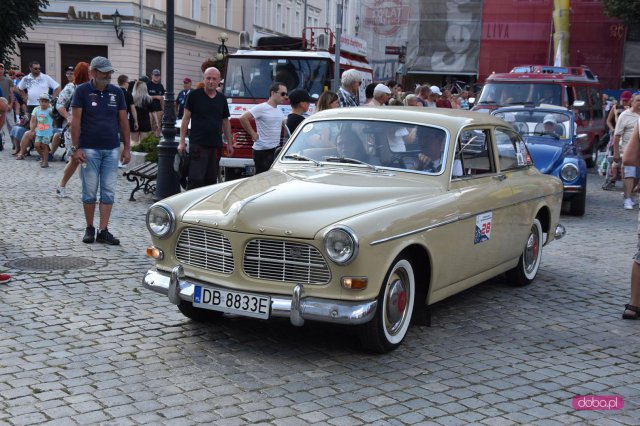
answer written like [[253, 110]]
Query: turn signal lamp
[[355, 283], [154, 253]]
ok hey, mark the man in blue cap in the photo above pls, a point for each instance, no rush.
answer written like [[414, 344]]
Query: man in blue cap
[[99, 110]]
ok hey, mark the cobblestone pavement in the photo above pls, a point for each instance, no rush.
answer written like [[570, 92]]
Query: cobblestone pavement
[[90, 346]]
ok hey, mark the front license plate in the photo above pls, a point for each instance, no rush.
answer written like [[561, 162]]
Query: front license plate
[[232, 302]]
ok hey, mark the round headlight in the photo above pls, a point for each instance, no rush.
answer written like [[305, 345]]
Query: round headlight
[[341, 245], [160, 221], [569, 172]]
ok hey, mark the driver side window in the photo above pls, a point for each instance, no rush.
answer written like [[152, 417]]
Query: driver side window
[[512, 152], [474, 152]]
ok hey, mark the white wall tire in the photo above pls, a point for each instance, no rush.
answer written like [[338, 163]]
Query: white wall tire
[[529, 263], [396, 301]]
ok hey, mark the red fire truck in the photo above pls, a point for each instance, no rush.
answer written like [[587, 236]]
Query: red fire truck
[[571, 87], [306, 63]]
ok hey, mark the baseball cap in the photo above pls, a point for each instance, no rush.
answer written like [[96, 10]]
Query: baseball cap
[[102, 64], [381, 88], [186, 80], [549, 118], [144, 78], [436, 90], [44, 96], [69, 69], [625, 96], [299, 95], [155, 72]]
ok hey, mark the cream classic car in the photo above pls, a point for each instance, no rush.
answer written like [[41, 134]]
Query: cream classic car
[[367, 217]]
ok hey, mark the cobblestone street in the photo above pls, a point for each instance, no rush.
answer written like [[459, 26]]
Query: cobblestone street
[[86, 344]]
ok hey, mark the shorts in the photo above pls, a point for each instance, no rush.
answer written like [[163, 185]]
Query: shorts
[[46, 140], [99, 170], [631, 172], [18, 132]]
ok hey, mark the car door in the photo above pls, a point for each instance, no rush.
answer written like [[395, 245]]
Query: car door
[[484, 201]]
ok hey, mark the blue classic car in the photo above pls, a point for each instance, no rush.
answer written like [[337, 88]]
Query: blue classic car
[[550, 135]]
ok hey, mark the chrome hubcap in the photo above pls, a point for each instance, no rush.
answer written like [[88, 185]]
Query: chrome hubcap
[[531, 251], [397, 299]]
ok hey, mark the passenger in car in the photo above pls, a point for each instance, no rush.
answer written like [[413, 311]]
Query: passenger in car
[[432, 142]]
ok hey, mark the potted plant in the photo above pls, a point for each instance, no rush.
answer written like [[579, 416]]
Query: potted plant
[[147, 149]]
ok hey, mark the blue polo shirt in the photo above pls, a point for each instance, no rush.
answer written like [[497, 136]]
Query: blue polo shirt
[[99, 126]]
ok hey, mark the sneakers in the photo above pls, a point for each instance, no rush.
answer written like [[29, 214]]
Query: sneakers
[[106, 237], [62, 192], [89, 235], [4, 278], [628, 204], [609, 186]]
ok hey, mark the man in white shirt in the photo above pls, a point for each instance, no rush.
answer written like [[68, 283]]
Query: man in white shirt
[[627, 121], [269, 120], [36, 83]]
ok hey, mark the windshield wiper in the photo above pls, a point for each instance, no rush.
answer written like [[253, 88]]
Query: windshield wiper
[[350, 161], [302, 158]]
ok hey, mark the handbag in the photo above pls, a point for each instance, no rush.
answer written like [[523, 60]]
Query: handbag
[[181, 167]]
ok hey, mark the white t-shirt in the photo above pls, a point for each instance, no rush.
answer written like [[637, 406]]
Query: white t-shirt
[[396, 142], [627, 121], [37, 86], [269, 125]]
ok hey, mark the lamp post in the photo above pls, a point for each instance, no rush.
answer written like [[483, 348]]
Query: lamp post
[[117, 24], [167, 182], [222, 49]]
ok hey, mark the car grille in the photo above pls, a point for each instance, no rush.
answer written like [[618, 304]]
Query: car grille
[[285, 261], [205, 249]]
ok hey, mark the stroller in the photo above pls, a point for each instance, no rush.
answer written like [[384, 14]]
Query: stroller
[[608, 169]]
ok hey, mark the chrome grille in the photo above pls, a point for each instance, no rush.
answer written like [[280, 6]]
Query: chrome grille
[[205, 249], [285, 261]]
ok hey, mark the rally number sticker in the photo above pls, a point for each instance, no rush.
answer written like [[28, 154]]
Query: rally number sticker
[[483, 227]]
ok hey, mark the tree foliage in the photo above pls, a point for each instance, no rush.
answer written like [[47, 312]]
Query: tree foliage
[[628, 11], [16, 16]]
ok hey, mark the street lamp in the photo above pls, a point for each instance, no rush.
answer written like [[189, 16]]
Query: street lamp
[[117, 24], [167, 183], [222, 49]]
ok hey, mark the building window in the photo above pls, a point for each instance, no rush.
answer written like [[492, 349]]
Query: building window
[[287, 20], [228, 15], [179, 10], [195, 10], [279, 24], [268, 22], [213, 12], [257, 13], [298, 27]]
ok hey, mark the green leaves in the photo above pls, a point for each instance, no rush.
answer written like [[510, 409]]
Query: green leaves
[[17, 16], [628, 11]]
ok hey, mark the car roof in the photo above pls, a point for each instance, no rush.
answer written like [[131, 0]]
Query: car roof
[[451, 118]]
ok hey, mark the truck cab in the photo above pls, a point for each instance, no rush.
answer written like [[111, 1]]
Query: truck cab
[[575, 88], [299, 63]]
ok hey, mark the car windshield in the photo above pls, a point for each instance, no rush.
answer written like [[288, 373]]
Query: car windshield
[[553, 125], [503, 94], [370, 144], [248, 77]]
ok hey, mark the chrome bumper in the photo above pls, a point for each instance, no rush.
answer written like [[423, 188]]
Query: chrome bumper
[[560, 231], [297, 308]]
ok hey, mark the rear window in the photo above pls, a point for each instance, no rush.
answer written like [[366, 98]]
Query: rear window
[[503, 94]]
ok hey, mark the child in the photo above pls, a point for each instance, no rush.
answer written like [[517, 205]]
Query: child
[[42, 124]]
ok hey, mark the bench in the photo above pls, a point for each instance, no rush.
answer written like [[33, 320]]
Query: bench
[[144, 176]]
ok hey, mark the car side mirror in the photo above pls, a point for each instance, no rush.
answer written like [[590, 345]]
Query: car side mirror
[[578, 104]]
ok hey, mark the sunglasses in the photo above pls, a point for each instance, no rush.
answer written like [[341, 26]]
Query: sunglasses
[[283, 94]]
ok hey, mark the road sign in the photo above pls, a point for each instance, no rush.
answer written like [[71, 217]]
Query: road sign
[[392, 50]]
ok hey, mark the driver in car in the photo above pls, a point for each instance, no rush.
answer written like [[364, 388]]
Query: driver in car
[[550, 128]]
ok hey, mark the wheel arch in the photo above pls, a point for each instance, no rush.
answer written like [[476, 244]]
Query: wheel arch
[[544, 216], [421, 262]]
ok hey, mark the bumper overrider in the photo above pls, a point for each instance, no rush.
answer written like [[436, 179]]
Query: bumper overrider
[[297, 308]]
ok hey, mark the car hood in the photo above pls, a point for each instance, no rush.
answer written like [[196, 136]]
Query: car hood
[[300, 203], [548, 155]]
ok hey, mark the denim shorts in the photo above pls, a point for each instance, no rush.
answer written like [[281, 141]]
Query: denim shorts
[[631, 172], [99, 170]]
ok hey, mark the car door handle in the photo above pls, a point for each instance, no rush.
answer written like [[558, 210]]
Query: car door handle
[[500, 177]]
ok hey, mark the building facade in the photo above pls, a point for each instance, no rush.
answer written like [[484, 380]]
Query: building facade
[[73, 31]]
